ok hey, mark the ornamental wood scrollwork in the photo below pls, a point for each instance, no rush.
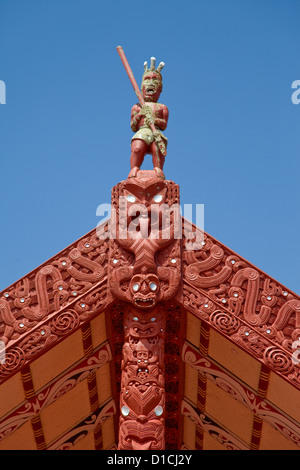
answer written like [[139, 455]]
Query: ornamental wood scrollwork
[[243, 303], [53, 301], [52, 287]]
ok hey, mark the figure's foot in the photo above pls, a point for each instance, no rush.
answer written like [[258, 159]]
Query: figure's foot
[[133, 172], [159, 172]]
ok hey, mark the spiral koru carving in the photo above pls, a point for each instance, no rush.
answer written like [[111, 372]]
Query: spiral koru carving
[[14, 359], [225, 322], [278, 360], [64, 322]]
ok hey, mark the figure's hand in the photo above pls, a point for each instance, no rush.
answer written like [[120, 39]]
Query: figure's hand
[[146, 111]]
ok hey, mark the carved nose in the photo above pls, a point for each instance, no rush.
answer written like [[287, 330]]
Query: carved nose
[[144, 287], [142, 419]]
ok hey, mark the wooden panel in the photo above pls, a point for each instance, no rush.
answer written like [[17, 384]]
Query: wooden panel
[[56, 360], [191, 384], [193, 327], [11, 394], [98, 328], [274, 440], [189, 433], [108, 433], [230, 413], [237, 361], [87, 443], [209, 443], [65, 412], [284, 395], [21, 439], [103, 383]]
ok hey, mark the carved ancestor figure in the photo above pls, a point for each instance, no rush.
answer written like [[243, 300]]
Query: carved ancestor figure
[[148, 118], [142, 397], [145, 140], [144, 272]]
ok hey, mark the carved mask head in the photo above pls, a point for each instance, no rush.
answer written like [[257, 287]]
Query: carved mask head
[[144, 289], [151, 86]]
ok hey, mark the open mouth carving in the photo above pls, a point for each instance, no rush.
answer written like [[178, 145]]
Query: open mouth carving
[[144, 303], [150, 90]]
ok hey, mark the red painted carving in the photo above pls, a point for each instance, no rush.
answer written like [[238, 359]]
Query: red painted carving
[[144, 271], [52, 301], [145, 261], [243, 303], [142, 400], [148, 118]]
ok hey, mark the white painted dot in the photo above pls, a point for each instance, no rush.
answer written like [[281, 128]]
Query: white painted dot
[[158, 410], [125, 410]]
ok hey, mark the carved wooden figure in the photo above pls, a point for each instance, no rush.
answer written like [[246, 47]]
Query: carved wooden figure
[[148, 118], [144, 271]]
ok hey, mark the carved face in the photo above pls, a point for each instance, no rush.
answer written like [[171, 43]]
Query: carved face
[[143, 268], [152, 194], [143, 203], [144, 289], [151, 86]]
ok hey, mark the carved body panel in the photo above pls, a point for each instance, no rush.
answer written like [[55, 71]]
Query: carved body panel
[[144, 271]]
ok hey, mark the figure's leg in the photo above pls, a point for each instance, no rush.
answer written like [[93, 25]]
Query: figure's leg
[[158, 160], [138, 151]]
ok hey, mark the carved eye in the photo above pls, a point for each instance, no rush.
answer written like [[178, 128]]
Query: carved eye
[[153, 286], [158, 198], [135, 287], [130, 198]]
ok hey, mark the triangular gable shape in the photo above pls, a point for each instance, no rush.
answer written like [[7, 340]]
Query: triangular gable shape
[[231, 374]]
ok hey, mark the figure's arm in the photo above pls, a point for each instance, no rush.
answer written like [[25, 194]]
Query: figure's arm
[[162, 123], [135, 117]]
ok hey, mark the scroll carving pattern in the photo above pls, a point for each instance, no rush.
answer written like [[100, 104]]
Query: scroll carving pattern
[[262, 408], [244, 303], [53, 301], [52, 287]]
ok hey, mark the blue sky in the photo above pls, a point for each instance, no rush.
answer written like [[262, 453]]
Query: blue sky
[[234, 133]]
